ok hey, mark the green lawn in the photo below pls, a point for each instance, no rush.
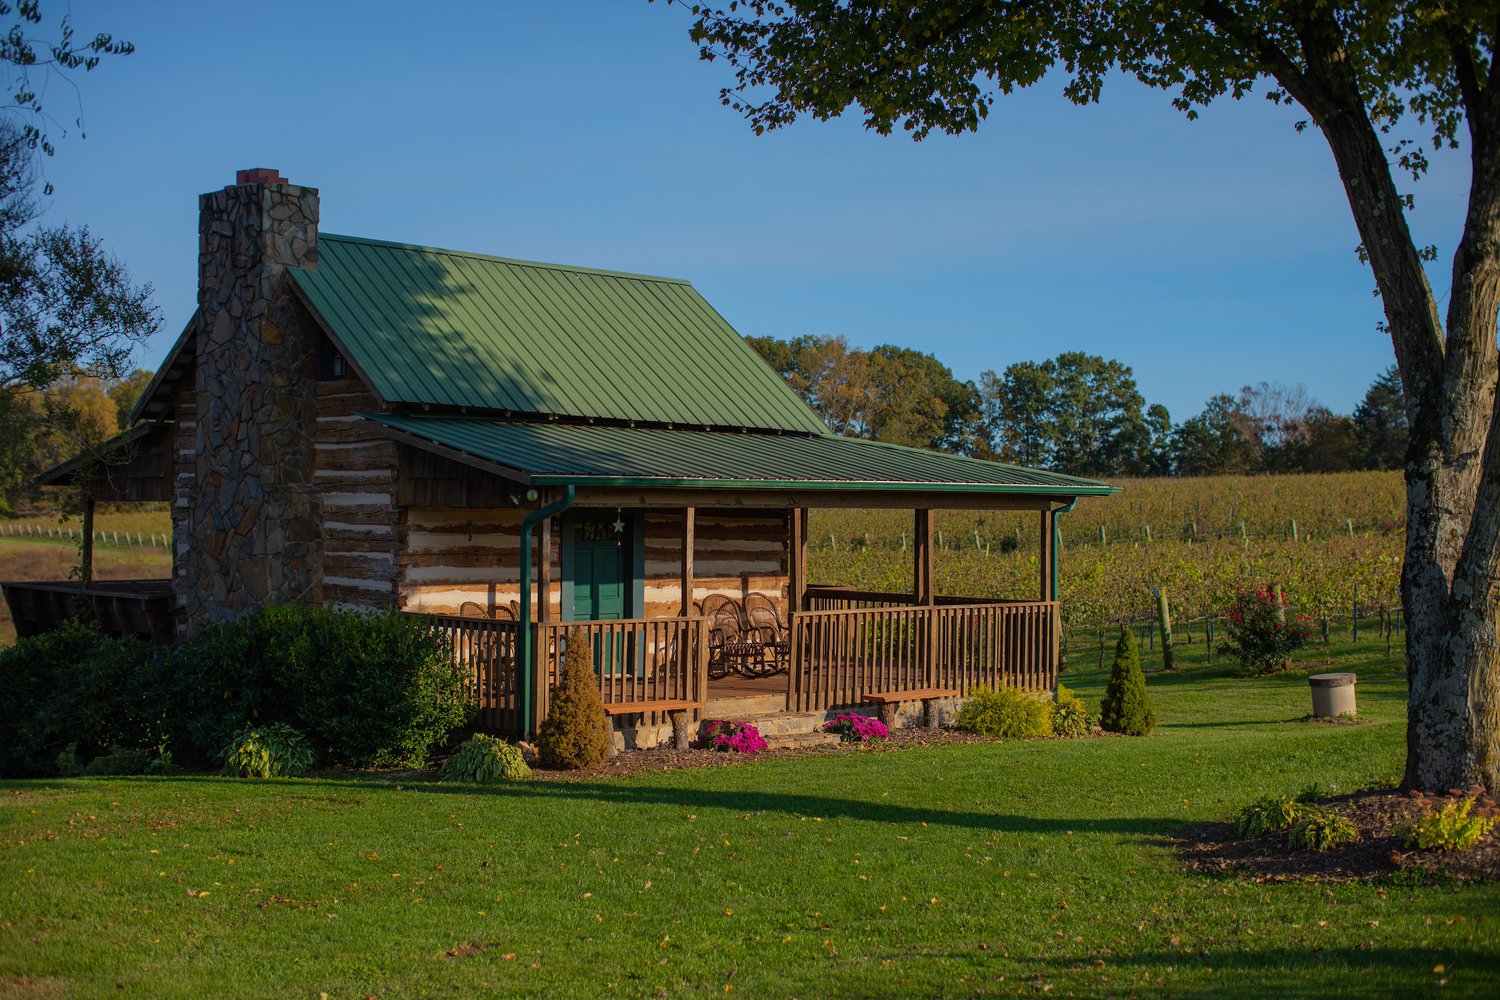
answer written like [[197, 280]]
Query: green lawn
[[953, 870]]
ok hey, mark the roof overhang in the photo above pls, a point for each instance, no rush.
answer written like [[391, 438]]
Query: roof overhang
[[613, 459], [133, 465]]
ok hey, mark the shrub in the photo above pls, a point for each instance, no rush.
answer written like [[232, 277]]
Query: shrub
[[576, 732], [217, 683], [1452, 828], [739, 737], [1271, 814], [273, 751], [121, 760], [74, 687], [1004, 714], [1070, 717], [1126, 707], [485, 760], [1261, 635], [852, 727], [1321, 829], [370, 689]]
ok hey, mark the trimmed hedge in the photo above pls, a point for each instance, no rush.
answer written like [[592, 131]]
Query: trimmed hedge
[[369, 689], [72, 687]]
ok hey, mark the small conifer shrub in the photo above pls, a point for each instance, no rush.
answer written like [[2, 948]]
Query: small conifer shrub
[[576, 733], [485, 760], [1127, 707]]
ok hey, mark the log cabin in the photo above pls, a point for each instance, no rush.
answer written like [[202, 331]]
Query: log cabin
[[523, 451]]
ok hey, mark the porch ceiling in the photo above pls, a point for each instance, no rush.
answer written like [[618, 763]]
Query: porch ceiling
[[554, 454]]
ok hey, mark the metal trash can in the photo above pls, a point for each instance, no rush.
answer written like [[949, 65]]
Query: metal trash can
[[1332, 695]]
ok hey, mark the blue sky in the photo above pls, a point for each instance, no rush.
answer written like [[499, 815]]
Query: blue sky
[[1204, 254]]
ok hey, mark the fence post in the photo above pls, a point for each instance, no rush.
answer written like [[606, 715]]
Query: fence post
[[1164, 616]]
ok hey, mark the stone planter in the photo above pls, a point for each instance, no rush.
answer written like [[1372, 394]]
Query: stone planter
[[1332, 695]]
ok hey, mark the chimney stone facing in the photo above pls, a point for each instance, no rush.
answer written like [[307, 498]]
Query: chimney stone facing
[[254, 530]]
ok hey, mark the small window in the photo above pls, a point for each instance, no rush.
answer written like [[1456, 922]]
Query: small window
[[331, 363]]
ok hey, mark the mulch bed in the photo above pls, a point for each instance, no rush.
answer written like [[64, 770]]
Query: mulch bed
[[1214, 849], [667, 759], [628, 762]]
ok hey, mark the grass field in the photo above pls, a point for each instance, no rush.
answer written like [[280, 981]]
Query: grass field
[[55, 559], [1013, 868]]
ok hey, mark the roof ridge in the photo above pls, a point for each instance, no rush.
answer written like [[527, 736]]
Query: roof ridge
[[514, 261]]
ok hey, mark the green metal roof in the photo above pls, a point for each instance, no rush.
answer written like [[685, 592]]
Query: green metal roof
[[451, 329], [552, 454]]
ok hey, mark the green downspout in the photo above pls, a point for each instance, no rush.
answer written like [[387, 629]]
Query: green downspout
[[523, 641], [1057, 541]]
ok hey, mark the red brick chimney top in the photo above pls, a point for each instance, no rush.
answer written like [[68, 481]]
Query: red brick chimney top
[[259, 175]]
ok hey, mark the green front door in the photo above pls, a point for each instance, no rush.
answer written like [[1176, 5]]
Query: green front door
[[601, 568], [601, 581]]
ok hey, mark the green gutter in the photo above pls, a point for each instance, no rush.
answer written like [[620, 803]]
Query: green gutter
[[523, 640], [1057, 539]]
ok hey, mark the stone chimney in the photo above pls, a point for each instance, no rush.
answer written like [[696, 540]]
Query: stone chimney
[[254, 523]]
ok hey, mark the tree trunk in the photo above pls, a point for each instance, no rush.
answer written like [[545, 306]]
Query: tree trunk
[[1449, 579]]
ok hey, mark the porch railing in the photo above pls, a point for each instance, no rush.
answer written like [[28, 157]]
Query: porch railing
[[840, 656], [635, 659], [120, 607], [488, 649]]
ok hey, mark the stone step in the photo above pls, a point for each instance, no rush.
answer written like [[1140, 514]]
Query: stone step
[[744, 707]]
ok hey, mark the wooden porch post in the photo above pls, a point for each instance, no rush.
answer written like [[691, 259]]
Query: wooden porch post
[[924, 592], [797, 561], [86, 555], [1047, 555], [689, 531], [923, 560]]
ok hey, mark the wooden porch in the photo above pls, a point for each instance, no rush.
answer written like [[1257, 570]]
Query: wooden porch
[[120, 607], [845, 646]]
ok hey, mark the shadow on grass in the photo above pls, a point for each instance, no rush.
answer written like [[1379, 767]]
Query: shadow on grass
[[756, 801], [1246, 971]]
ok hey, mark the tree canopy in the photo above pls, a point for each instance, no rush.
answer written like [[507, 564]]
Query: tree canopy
[[70, 316], [1383, 81]]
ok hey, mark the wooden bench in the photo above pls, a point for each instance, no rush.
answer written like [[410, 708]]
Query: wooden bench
[[676, 708], [889, 701]]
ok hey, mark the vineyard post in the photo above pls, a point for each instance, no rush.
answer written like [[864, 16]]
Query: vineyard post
[[1243, 536], [1164, 616], [1103, 538], [1294, 529], [1210, 638], [1349, 526], [1356, 618], [1279, 596]]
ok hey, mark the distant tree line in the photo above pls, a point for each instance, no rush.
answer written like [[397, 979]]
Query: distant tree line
[[1083, 414]]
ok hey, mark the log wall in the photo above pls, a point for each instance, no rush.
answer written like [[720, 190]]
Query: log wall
[[473, 554], [357, 472]]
